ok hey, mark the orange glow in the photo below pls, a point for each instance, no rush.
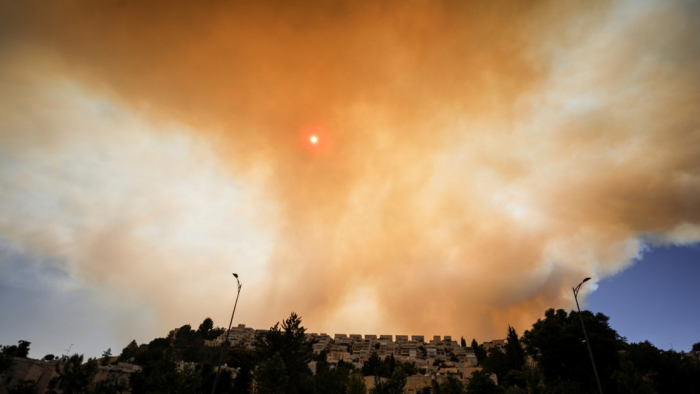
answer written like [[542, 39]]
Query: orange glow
[[372, 143], [315, 138]]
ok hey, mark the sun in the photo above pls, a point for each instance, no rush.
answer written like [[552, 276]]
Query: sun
[[313, 139]]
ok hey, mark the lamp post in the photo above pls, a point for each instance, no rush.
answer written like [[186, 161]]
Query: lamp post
[[228, 332], [588, 343]]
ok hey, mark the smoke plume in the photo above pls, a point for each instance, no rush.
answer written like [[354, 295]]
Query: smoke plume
[[474, 162]]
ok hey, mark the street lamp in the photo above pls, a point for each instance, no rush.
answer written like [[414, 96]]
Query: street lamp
[[588, 343], [228, 332]]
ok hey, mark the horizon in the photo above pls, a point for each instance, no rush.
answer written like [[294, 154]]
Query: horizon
[[660, 335]]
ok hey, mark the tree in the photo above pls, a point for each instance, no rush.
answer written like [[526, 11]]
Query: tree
[[74, 376], [479, 351], [375, 366], [23, 349], [557, 344], [665, 371], [514, 351], [296, 351], [629, 380], [463, 342], [129, 352], [451, 385], [243, 360], [110, 386], [162, 376], [393, 385], [24, 387], [497, 363], [356, 384], [481, 383], [20, 350], [331, 380], [409, 368], [205, 328], [207, 373], [6, 360], [106, 356], [49, 357], [271, 376], [515, 378]]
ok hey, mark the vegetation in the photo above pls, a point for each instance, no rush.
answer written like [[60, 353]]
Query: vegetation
[[279, 364], [24, 387], [558, 345], [74, 376]]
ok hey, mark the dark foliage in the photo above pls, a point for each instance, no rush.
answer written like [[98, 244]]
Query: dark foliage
[[129, 352], [272, 376], [514, 351], [497, 363], [6, 360], [20, 350], [356, 384], [162, 376], [244, 361], [644, 368], [481, 383], [393, 385], [450, 385], [110, 386], [479, 351], [23, 387], [289, 340], [74, 377], [558, 345], [332, 380], [106, 356]]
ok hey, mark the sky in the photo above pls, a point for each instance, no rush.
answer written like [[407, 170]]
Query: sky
[[472, 163]]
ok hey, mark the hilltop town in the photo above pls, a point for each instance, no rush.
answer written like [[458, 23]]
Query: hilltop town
[[356, 349], [431, 360], [439, 357], [551, 357]]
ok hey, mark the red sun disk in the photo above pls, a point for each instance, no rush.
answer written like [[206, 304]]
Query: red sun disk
[[314, 138]]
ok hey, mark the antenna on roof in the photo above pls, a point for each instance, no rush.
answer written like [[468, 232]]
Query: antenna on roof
[[68, 350]]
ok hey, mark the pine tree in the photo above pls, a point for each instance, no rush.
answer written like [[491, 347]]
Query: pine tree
[[106, 356], [296, 351]]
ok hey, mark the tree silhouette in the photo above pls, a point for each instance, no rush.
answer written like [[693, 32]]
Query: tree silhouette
[[393, 385], [106, 356], [558, 345], [481, 383], [205, 328], [296, 351], [514, 351], [356, 384], [74, 376], [479, 351]]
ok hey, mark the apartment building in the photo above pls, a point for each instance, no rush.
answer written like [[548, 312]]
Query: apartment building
[[496, 343]]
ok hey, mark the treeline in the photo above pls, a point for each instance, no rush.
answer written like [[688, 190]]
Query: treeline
[[560, 361], [550, 358]]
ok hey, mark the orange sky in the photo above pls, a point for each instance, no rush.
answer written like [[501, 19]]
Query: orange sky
[[474, 161]]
